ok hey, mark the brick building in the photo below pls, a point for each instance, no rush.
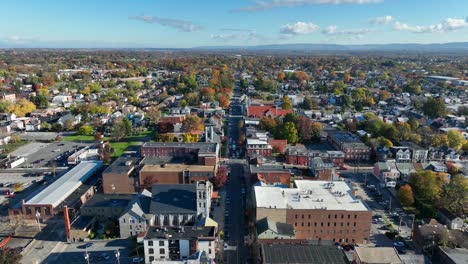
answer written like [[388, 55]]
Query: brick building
[[175, 174], [323, 169], [198, 153], [318, 210], [259, 147], [270, 111], [350, 144], [120, 176], [271, 175], [301, 156]]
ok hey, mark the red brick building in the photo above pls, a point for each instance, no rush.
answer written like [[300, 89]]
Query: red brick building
[[198, 153], [299, 155], [351, 145], [175, 174], [318, 210]]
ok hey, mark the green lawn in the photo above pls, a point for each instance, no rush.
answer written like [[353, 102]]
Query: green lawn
[[120, 146], [12, 146]]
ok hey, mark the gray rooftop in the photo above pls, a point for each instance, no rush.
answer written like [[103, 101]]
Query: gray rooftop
[[281, 229], [109, 200], [60, 189], [203, 147], [174, 198], [122, 165], [267, 168], [298, 253], [185, 232]]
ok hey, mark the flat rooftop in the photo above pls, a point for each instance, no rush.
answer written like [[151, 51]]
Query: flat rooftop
[[370, 255], [60, 189], [183, 232], [109, 200], [176, 168], [318, 195], [122, 165], [298, 253], [267, 168], [201, 146]]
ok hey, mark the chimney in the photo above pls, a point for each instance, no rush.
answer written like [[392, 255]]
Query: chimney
[[67, 222]]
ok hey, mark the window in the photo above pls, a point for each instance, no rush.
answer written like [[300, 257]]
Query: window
[[315, 224], [354, 224], [123, 220], [151, 251], [161, 243], [341, 224], [321, 224], [295, 224], [209, 251], [151, 259], [302, 224], [302, 216], [328, 224], [349, 216], [336, 216], [150, 243], [308, 224], [309, 216], [296, 216], [162, 251], [334, 224], [342, 216]]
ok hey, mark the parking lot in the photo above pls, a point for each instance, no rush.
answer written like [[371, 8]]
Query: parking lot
[[38, 155], [387, 214], [99, 252]]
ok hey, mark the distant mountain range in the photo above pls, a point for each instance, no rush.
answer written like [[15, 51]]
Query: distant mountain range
[[443, 47]]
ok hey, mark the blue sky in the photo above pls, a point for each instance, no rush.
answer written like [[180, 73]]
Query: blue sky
[[189, 23]]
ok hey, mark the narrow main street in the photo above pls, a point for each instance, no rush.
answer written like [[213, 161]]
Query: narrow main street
[[235, 227]]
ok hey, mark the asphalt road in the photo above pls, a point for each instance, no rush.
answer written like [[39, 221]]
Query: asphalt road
[[235, 227]]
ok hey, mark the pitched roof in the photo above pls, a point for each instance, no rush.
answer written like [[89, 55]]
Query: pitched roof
[[262, 110], [280, 229]]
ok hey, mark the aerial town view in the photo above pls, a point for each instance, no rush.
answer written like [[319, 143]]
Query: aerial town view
[[246, 131]]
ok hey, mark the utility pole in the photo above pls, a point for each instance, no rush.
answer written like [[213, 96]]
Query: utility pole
[[86, 256], [117, 255]]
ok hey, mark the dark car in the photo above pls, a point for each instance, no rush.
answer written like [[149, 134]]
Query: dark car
[[87, 245]]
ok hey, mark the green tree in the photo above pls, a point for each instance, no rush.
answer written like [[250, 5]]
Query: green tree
[[405, 195], [455, 139], [308, 103], [86, 130], [289, 132], [338, 87], [41, 101], [427, 185], [455, 195], [286, 103], [434, 107], [191, 138]]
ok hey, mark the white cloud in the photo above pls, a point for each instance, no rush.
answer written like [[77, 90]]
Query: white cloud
[[383, 20], [261, 5], [21, 40], [334, 31], [179, 24], [449, 24], [298, 28]]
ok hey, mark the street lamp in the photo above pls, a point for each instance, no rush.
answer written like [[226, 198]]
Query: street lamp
[[38, 216], [117, 255]]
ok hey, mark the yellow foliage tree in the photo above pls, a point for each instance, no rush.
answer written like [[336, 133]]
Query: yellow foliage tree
[[22, 107]]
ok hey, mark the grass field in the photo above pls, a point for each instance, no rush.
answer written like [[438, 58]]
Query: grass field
[[12, 146], [119, 146]]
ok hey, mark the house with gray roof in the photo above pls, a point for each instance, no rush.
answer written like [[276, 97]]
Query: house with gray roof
[[268, 229], [136, 217]]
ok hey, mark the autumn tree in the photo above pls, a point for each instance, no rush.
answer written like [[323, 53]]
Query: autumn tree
[[153, 114], [86, 130], [21, 107], [121, 128], [221, 177], [223, 101], [190, 138], [281, 77], [286, 102], [208, 94], [308, 130], [191, 124], [439, 140], [268, 124], [405, 195], [308, 103], [164, 127]]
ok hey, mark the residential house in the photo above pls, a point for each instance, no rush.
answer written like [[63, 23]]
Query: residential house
[[268, 231], [386, 171], [270, 111], [449, 219], [418, 154], [323, 169]]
